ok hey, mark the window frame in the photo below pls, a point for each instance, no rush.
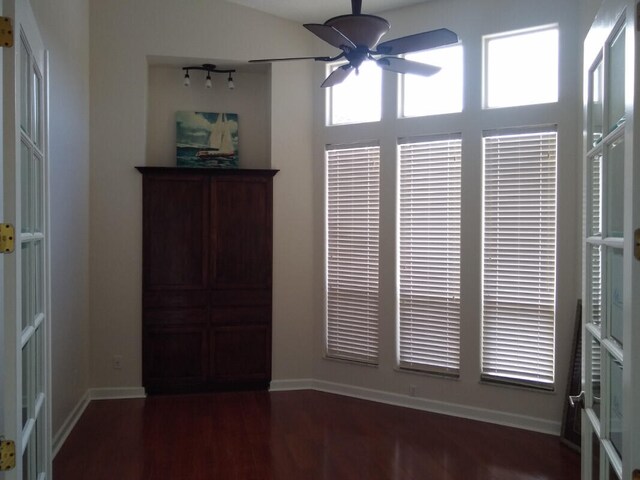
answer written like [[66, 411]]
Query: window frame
[[425, 355], [511, 378]]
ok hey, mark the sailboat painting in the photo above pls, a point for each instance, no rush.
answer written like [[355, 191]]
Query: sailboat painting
[[207, 139]]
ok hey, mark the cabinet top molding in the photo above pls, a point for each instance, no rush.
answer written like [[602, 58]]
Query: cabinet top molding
[[208, 171]]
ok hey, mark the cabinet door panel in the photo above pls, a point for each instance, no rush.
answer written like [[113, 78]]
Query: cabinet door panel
[[242, 232], [176, 225], [241, 353], [175, 356]]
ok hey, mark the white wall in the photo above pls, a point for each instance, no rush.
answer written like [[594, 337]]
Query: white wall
[[123, 35], [65, 28], [120, 106], [250, 100], [471, 20]]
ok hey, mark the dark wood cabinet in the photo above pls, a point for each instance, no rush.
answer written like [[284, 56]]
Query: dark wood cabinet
[[206, 288]]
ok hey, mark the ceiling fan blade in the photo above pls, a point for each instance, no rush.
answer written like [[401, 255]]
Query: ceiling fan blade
[[268, 60], [417, 42], [330, 35], [337, 76], [402, 65]]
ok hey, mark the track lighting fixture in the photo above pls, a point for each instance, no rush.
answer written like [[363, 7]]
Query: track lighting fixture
[[209, 68]]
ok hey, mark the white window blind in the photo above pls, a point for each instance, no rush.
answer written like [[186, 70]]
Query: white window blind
[[430, 255], [353, 200], [519, 257]]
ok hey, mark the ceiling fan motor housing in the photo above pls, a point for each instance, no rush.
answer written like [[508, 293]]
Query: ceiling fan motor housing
[[363, 30]]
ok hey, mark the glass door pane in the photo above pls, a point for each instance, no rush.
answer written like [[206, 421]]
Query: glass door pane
[[596, 104], [615, 294], [615, 405], [594, 375], [615, 87], [615, 183], [595, 196]]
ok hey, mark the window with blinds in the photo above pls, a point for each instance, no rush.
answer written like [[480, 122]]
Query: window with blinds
[[429, 254], [519, 257], [353, 200]]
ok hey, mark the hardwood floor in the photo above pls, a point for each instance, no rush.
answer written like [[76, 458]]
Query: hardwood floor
[[302, 435]]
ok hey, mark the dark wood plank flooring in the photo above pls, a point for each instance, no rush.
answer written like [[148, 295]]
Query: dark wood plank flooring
[[302, 435]]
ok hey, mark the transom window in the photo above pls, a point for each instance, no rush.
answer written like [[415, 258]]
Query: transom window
[[521, 68], [438, 94], [358, 99]]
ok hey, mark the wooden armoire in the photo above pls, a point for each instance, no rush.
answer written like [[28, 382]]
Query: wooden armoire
[[206, 288]]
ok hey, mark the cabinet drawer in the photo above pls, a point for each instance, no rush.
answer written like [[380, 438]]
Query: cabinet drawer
[[174, 298], [174, 356], [241, 297], [174, 317], [241, 353], [240, 315]]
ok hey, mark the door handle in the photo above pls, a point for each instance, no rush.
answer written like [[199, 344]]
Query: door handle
[[577, 400]]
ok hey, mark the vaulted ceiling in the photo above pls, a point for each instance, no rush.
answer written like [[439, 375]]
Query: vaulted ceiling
[[319, 11]]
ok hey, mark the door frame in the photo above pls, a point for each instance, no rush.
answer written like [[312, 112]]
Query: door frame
[[614, 14]]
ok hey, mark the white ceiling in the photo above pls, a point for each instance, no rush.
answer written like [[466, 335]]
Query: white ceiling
[[317, 11]]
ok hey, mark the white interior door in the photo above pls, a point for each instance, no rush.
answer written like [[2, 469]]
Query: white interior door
[[26, 392], [611, 273]]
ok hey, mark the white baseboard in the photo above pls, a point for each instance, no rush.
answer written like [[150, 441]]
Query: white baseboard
[[116, 393], [64, 431], [284, 385], [91, 394], [464, 411]]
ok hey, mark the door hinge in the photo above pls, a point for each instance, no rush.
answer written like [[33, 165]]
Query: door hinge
[[6, 32], [7, 455], [636, 244], [7, 238]]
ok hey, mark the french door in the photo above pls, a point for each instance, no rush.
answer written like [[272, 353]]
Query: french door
[[25, 400], [611, 250]]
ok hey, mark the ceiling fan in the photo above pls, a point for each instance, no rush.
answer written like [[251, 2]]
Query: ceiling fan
[[358, 34]]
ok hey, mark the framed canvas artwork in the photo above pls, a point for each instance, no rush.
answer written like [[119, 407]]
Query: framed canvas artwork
[[206, 139]]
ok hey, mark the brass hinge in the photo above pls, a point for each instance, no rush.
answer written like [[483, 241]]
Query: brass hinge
[[6, 32], [7, 455], [7, 238]]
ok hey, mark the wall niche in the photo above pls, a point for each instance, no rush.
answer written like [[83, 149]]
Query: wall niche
[[250, 100]]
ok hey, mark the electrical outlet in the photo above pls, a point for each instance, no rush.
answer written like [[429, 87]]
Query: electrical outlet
[[117, 362], [412, 390]]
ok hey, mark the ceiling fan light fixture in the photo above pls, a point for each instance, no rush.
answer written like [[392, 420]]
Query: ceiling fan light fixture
[[363, 30], [187, 80], [230, 83], [208, 83]]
